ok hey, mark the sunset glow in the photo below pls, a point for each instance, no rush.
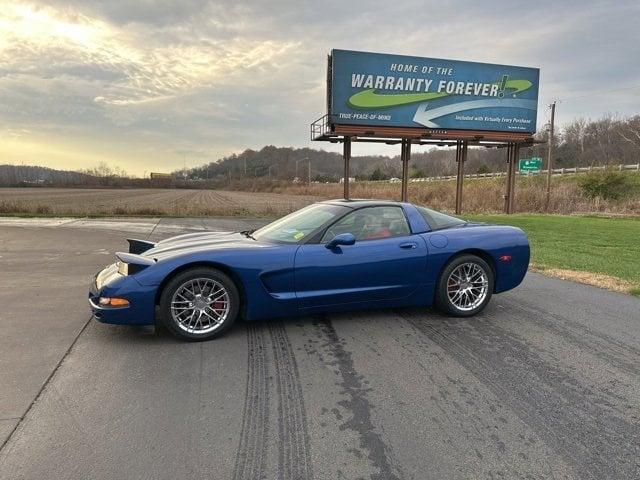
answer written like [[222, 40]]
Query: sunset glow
[[147, 86]]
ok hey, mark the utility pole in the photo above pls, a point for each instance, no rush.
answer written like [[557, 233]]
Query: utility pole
[[308, 168], [245, 166], [550, 156], [184, 168]]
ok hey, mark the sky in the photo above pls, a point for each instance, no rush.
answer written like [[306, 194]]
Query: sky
[[153, 85]]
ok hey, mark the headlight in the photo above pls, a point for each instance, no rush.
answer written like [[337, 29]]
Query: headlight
[[123, 268], [113, 302]]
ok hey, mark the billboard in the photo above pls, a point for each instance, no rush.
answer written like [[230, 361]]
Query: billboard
[[402, 91]]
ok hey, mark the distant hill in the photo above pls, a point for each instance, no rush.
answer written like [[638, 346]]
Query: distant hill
[[606, 141], [27, 175], [280, 163], [583, 142]]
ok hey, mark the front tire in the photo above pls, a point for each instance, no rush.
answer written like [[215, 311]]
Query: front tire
[[199, 304], [465, 286]]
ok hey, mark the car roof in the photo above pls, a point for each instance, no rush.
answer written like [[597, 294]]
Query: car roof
[[359, 202]]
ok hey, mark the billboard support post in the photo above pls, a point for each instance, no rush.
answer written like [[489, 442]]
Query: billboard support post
[[513, 152], [507, 193], [516, 158], [461, 157], [405, 155], [346, 155]]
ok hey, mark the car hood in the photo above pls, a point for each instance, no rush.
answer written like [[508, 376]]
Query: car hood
[[199, 241]]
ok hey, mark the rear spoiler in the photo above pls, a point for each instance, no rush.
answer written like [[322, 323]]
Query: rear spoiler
[[134, 259], [139, 246], [134, 263]]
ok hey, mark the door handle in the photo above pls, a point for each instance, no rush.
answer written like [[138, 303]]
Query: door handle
[[409, 245]]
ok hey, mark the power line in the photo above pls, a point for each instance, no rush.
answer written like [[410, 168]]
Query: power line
[[632, 87], [546, 119]]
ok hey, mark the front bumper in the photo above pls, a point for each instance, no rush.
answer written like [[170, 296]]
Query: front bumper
[[117, 315], [141, 308]]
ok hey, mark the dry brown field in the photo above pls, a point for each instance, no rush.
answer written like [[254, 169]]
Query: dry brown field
[[250, 199], [482, 195], [154, 202]]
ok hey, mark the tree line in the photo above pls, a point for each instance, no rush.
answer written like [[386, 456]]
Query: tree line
[[609, 140], [580, 143]]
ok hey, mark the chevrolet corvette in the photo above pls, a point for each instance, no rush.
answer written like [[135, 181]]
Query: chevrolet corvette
[[331, 256]]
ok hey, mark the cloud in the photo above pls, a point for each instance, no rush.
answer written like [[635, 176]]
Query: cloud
[[211, 78], [130, 66]]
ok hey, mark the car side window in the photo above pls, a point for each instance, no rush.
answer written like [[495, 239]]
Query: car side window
[[370, 223]]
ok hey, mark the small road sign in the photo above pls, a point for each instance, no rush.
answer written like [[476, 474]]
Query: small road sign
[[530, 164]]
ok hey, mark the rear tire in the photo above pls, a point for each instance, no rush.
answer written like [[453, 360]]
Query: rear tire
[[199, 304], [465, 286]]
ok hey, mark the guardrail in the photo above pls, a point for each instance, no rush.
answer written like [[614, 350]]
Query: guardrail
[[555, 171]]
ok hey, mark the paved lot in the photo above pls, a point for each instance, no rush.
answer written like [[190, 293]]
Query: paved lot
[[544, 384]]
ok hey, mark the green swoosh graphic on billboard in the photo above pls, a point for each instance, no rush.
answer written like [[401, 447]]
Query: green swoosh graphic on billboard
[[371, 99]]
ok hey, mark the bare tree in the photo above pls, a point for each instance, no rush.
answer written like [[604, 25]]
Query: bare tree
[[629, 130], [574, 132]]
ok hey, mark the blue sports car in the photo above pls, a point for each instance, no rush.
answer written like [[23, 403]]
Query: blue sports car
[[331, 256]]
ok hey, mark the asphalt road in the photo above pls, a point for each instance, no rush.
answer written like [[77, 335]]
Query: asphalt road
[[544, 384]]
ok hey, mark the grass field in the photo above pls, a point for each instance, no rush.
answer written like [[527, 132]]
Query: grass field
[[606, 246]]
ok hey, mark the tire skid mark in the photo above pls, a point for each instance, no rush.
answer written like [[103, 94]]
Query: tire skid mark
[[357, 403], [569, 417], [250, 463], [622, 356], [294, 460]]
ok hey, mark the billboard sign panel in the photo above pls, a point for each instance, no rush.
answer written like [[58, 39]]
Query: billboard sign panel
[[402, 91]]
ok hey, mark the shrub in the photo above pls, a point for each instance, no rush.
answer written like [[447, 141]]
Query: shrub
[[416, 173], [608, 185], [378, 175], [10, 207], [43, 209], [483, 169]]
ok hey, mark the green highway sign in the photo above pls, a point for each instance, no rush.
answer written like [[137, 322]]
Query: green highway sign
[[530, 164]]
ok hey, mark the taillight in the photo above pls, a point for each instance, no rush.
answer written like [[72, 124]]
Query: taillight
[[505, 258]]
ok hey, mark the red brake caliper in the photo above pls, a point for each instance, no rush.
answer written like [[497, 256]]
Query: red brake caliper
[[217, 305]]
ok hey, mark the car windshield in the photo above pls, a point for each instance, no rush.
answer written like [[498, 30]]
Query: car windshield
[[437, 220], [299, 225]]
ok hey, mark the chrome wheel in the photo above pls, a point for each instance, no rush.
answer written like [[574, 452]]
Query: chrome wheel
[[200, 306], [467, 286]]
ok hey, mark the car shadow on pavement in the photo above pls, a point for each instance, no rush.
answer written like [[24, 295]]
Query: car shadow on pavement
[[135, 334], [157, 335]]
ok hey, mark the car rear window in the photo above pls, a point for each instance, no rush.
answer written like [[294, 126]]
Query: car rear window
[[438, 220]]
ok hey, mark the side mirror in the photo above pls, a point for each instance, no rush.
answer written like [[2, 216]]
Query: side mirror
[[342, 239]]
